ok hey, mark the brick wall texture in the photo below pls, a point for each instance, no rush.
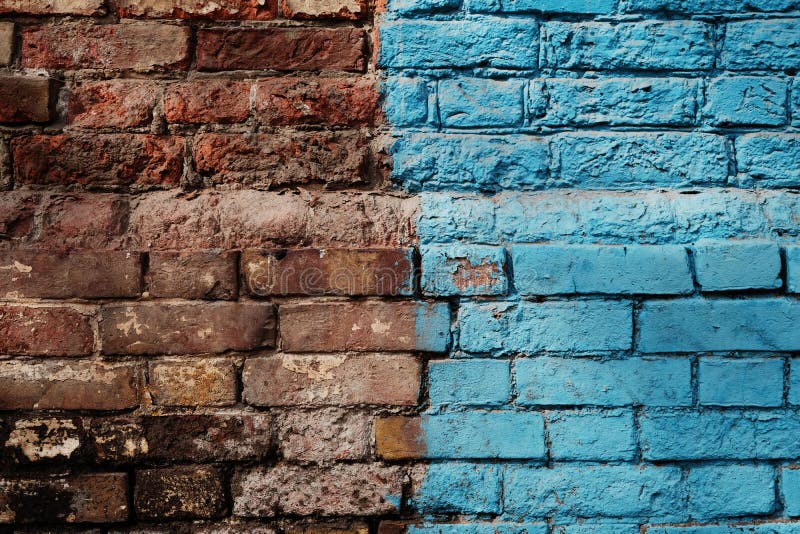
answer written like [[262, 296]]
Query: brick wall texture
[[404, 267]]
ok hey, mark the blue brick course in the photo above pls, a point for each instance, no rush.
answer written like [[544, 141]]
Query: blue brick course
[[730, 490], [470, 102], [740, 382], [473, 382], [457, 487], [732, 265], [592, 435], [471, 435]]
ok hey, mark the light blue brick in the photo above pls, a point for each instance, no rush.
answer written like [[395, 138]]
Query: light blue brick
[[456, 487], [794, 381], [637, 269], [646, 45], [792, 254], [406, 101], [590, 435], [692, 7], [737, 528], [732, 265], [463, 270], [581, 382], [794, 102], [790, 488], [768, 160], [740, 382], [486, 41], [698, 325], [474, 435], [620, 160], [762, 44], [478, 528], [589, 7], [471, 102], [598, 528], [776, 434], [445, 217], [432, 162], [432, 327], [780, 210], [745, 101], [469, 382], [576, 326], [594, 491], [414, 7], [615, 101], [730, 491]]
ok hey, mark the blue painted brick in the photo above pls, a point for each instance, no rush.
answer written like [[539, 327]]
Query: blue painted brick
[[486, 41], [614, 101], [794, 102], [576, 326], [591, 435], [594, 491], [637, 269], [792, 254], [730, 491], [745, 101], [582, 381], [737, 528], [598, 528], [444, 217], [616, 160], [762, 44], [473, 435], [790, 488], [469, 382], [740, 382], [794, 381], [589, 7], [478, 528], [732, 265], [406, 101], [692, 7], [463, 270], [768, 160], [414, 7], [456, 487], [470, 102], [695, 325], [647, 45]]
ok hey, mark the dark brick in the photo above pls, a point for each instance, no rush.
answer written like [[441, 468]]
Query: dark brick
[[190, 492]]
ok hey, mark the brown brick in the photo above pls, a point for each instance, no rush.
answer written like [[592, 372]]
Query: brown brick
[[392, 527], [94, 221], [6, 181], [282, 49], [366, 489], [365, 325], [203, 274], [76, 274], [25, 98], [217, 10], [269, 160], [331, 379], [204, 101], [99, 159], [116, 440], [399, 438], [324, 9], [205, 382], [52, 331], [51, 7], [324, 435], [205, 438], [328, 272], [141, 46], [326, 528], [330, 101], [94, 498], [6, 42], [190, 492], [185, 328], [17, 211], [67, 385], [44, 439], [112, 103]]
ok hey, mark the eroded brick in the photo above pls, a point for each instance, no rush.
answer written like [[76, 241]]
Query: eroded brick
[[51, 331], [190, 492], [324, 435], [25, 98], [193, 275], [218, 10], [203, 101], [6, 42], [44, 439], [112, 103], [204, 382]]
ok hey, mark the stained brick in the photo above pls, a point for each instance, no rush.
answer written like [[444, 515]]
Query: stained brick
[[324, 9], [52, 331], [25, 99], [112, 103], [191, 492], [6, 42], [219, 10], [193, 275], [193, 382], [207, 101], [324, 435]]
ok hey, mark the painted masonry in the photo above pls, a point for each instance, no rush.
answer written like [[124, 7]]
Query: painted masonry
[[436, 266]]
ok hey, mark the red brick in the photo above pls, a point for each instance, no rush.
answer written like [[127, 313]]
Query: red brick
[[141, 46], [204, 101], [338, 490], [94, 221], [51, 7], [330, 101], [98, 159], [269, 160], [328, 272], [185, 328], [206, 382], [331, 379], [112, 104], [324, 9], [67, 385], [324, 435], [217, 10], [399, 438], [76, 274], [190, 492], [17, 212], [6, 42], [25, 99], [193, 275], [54, 331], [282, 49], [91, 498]]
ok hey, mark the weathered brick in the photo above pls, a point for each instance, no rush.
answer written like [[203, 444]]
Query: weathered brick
[[327, 272], [25, 99], [739, 527], [51, 7], [745, 101], [6, 42], [205, 382], [761, 44], [218, 10], [792, 254], [92, 221], [794, 381], [51, 331], [476, 527], [591, 435], [732, 265], [364, 326], [324, 9], [352, 489], [44, 439], [345, 527], [406, 101], [325, 379], [117, 440], [731, 490], [324, 435], [185, 328], [768, 160], [471, 102], [90, 498], [99, 160], [204, 101], [190, 492], [67, 385], [418, 7], [463, 270], [193, 275], [112, 104], [282, 49], [138, 46], [456, 487], [740, 382], [707, 6], [790, 488], [75, 274], [475, 382], [329, 101], [593, 7]]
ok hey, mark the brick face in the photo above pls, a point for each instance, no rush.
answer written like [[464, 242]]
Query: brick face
[[114, 103], [25, 99], [53, 331]]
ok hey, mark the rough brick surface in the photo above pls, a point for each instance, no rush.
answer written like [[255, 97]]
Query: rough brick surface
[[25, 99], [226, 9], [179, 493], [6, 42], [52, 331], [114, 103], [207, 101], [193, 275], [193, 382]]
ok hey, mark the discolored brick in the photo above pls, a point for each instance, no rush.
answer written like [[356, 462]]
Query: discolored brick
[[112, 104], [202, 274], [6, 42], [51, 7], [44, 439], [116, 440], [324, 9], [218, 10], [51, 331], [399, 437], [324, 435], [94, 221], [25, 98], [197, 382], [206, 101], [189, 492]]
